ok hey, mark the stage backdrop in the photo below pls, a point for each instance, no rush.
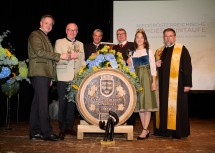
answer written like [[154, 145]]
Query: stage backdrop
[[193, 21]]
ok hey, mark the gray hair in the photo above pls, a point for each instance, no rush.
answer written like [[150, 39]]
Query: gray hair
[[98, 30]]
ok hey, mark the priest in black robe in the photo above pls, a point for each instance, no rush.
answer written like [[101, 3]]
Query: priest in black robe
[[175, 81]]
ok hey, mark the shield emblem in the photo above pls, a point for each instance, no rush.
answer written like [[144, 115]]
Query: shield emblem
[[106, 85]]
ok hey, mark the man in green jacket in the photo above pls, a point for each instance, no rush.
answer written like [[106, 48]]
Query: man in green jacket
[[41, 70]]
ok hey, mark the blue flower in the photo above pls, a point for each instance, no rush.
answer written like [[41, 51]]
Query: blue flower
[[100, 58], [109, 57], [114, 63], [132, 69], [5, 72]]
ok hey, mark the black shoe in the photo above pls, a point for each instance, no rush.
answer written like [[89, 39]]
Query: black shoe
[[70, 132], [52, 137], [175, 137], [62, 135], [36, 137], [143, 138]]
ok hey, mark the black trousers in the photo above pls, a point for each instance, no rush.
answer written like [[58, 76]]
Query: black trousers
[[39, 115], [66, 112]]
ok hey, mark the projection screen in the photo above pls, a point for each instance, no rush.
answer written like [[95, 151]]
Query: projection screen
[[193, 21]]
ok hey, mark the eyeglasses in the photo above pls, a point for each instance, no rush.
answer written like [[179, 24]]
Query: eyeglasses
[[119, 34], [72, 30], [170, 36]]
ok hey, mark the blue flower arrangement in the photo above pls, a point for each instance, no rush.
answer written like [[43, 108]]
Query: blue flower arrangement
[[104, 58], [11, 70]]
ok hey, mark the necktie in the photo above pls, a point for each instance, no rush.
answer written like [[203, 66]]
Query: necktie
[[121, 45]]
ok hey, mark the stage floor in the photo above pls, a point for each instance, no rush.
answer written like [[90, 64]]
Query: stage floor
[[201, 140]]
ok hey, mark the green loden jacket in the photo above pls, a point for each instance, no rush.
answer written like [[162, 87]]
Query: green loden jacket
[[42, 57]]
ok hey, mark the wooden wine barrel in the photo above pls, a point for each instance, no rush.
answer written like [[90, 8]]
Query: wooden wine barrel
[[104, 90]]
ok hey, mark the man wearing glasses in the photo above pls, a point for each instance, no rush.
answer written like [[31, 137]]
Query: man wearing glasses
[[66, 69], [174, 67], [124, 47]]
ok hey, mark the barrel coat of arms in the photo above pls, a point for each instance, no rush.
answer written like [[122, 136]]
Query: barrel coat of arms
[[104, 90]]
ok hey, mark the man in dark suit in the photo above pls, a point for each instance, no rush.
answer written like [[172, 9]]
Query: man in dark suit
[[41, 70], [124, 47], [96, 45]]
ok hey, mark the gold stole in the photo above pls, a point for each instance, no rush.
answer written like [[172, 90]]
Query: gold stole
[[173, 86]]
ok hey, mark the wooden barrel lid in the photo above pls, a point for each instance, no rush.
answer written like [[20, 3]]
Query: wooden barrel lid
[[104, 90]]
